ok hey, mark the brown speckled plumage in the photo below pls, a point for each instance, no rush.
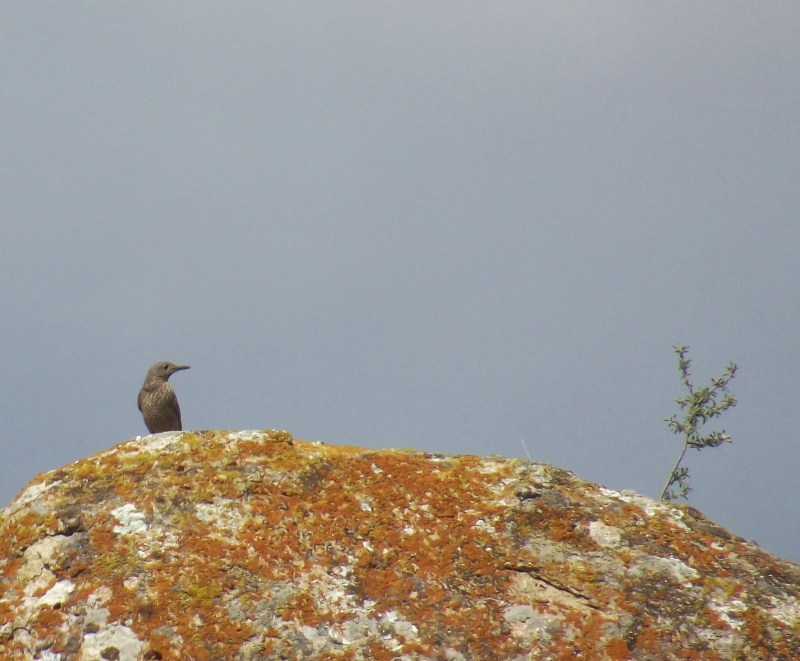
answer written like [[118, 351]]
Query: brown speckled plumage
[[157, 400]]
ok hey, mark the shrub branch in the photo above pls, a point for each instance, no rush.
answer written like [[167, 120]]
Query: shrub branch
[[700, 406]]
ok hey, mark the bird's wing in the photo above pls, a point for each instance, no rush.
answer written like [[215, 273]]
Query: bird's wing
[[176, 406], [139, 400]]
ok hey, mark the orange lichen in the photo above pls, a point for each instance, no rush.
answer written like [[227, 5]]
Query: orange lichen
[[49, 618], [196, 540], [616, 650]]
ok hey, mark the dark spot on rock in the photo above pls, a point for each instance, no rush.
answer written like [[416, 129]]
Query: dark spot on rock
[[110, 654], [147, 609], [312, 478], [152, 654], [555, 499]]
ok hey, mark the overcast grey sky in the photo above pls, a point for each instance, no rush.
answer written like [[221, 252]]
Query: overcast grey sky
[[445, 226]]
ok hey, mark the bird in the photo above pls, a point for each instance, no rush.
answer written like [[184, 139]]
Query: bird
[[157, 400]]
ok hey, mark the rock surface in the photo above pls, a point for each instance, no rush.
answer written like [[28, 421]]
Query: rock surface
[[249, 545]]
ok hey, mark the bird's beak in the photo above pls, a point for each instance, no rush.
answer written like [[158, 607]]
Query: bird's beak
[[181, 367]]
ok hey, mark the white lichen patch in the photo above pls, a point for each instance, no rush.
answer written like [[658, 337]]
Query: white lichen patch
[[331, 590], [40, 555], [223, 514], [434, 458], [519, 613], [35, 586], [96, 614], [168, 440], [677, 518], [529, 625], [165, 540], [57, 594], [133, 583], [355, 631], [650, 506], [603, 535], [38, 577], [482, 524], [100, 596], [729, 611], [679, 570], [131, 520], [247, 435], [528, 472], [391, 626], [490, 466], [318, 641], [365, 502], [29, 495], [49, 655], [725, 643], [399, 626], [786, 611], [100, 645]]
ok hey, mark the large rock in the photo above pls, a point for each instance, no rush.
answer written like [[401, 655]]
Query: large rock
[[249, 545]]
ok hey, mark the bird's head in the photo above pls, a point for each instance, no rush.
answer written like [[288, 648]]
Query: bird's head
[[164, 369]]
